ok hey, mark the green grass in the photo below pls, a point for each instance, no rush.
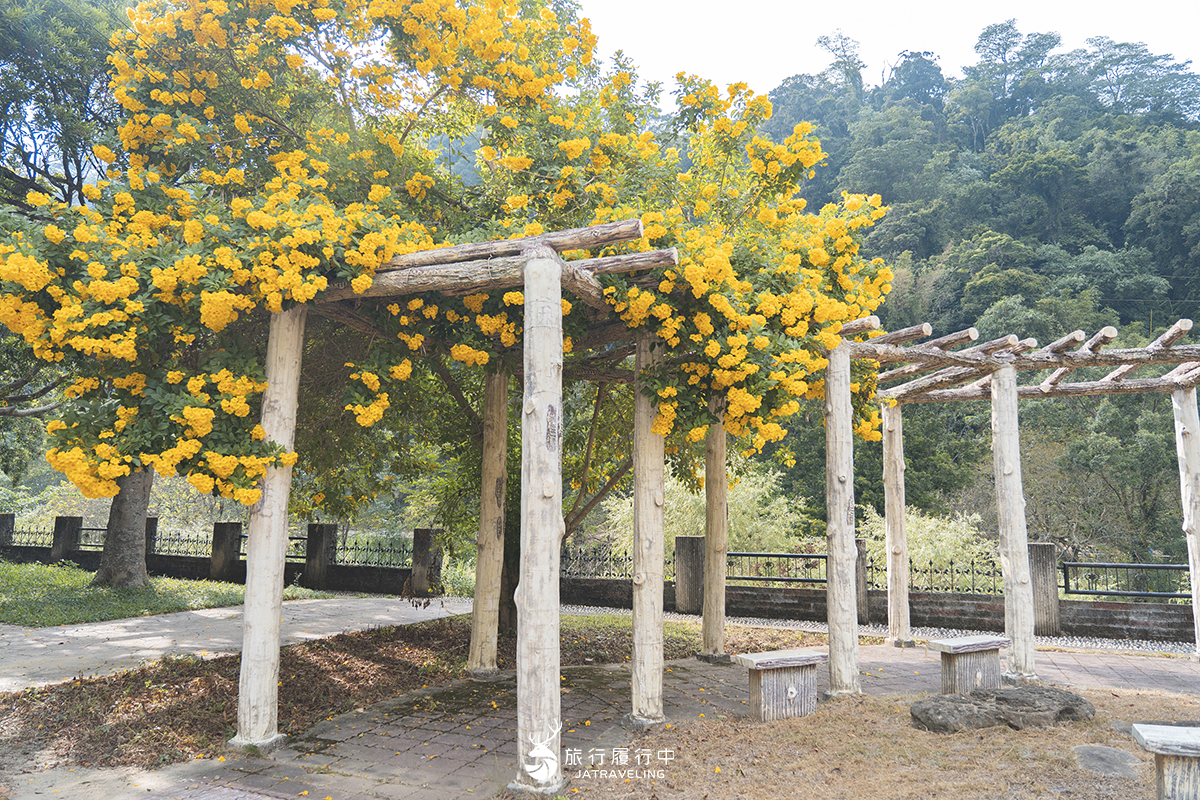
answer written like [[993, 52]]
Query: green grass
[[40, 595]]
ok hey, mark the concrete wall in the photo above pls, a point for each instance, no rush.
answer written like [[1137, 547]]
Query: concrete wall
[[1099, 619]]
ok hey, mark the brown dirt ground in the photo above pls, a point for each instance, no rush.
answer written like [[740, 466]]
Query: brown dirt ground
[[867, 747], [181, 708]]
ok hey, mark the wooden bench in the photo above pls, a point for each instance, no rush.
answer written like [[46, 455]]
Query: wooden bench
[[1176, 759], [969, 662], [783, 683]]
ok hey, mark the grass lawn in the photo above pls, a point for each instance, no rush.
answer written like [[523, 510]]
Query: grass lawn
[[41, 595]]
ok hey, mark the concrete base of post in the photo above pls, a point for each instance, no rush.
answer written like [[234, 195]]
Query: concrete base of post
[[549, 789], [643, 724], [900, 642], [714, 658], [258, 748]]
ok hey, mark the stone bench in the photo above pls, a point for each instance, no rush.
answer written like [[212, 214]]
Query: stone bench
[[783, 683], [1176, 759], [969, 662]]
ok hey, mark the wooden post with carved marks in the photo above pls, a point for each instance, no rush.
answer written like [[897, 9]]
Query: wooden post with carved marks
[[646, 665], [539, 721], [485, 612], [843, 552]]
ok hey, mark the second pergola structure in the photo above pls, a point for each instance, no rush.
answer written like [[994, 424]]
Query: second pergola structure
[[935, 372]]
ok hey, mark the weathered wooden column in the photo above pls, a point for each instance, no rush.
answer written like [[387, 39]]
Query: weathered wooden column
[[839, 503], [266, 549], [646, 664], [1043, 576], [489, 557], [689, 574], [1014, 538], [895, 533], [716, 541], [539, 720], [1187, 448]]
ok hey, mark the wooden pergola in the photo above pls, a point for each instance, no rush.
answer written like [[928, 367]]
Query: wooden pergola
[[937, 372], [534, 264]]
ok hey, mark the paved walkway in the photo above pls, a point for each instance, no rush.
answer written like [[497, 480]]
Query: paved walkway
[[459, 741], [39, 656]]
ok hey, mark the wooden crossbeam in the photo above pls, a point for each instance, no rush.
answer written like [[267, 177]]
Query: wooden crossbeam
[[953, 375], [1169, 337], [1186, 380], [935, 357], [857, 326], [588, 238], [905, 334], [1071, 339], [1092, 345], [503, 272]]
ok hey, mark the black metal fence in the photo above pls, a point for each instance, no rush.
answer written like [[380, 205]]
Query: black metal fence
[[33, 537], [1104, 579], [775, 569], [603, 561], [976, 576], [374, 550]]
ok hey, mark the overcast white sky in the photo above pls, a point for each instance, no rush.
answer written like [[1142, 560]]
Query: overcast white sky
[[763, 42]]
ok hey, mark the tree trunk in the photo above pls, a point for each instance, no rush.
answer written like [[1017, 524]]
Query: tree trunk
[[646, 667], [489, 559], [716, 542], [843, 552], [266, 548], [123, 562]]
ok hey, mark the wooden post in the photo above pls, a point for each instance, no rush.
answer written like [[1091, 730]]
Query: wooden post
[[1014, 539], [426, 562], [861, 565], [319, 552], [489, 556], [226, 552], [895, 533], [1043, 573], [539, 721], [716, 541], [689, 574], [67, 531], [839, 504], [1187, 449], [151, 534], [266, 550], [648, 534]]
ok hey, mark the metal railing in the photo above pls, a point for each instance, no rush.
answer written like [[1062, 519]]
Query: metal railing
[[183, 543], [33, 538], [776, 568], [91, 538], [374, 550], [1105, 579], [977, 576]]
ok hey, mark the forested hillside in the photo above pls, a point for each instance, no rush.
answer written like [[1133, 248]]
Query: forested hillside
[[1045, 191]]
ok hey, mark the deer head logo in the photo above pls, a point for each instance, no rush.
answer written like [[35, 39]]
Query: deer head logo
[[545, 760]]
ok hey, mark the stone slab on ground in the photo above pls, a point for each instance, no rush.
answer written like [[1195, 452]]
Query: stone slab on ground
[[1015, 706], [1107, 760]]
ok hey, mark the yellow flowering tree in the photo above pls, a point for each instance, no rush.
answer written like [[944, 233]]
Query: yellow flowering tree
[[273, 151]]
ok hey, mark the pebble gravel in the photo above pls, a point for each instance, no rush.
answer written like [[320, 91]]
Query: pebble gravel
[[924, 634]]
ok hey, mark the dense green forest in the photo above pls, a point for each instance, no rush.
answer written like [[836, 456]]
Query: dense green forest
[[1043, 192], [1046, 190]]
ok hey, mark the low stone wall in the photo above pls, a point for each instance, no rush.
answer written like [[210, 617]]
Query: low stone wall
[[1099, 619]]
